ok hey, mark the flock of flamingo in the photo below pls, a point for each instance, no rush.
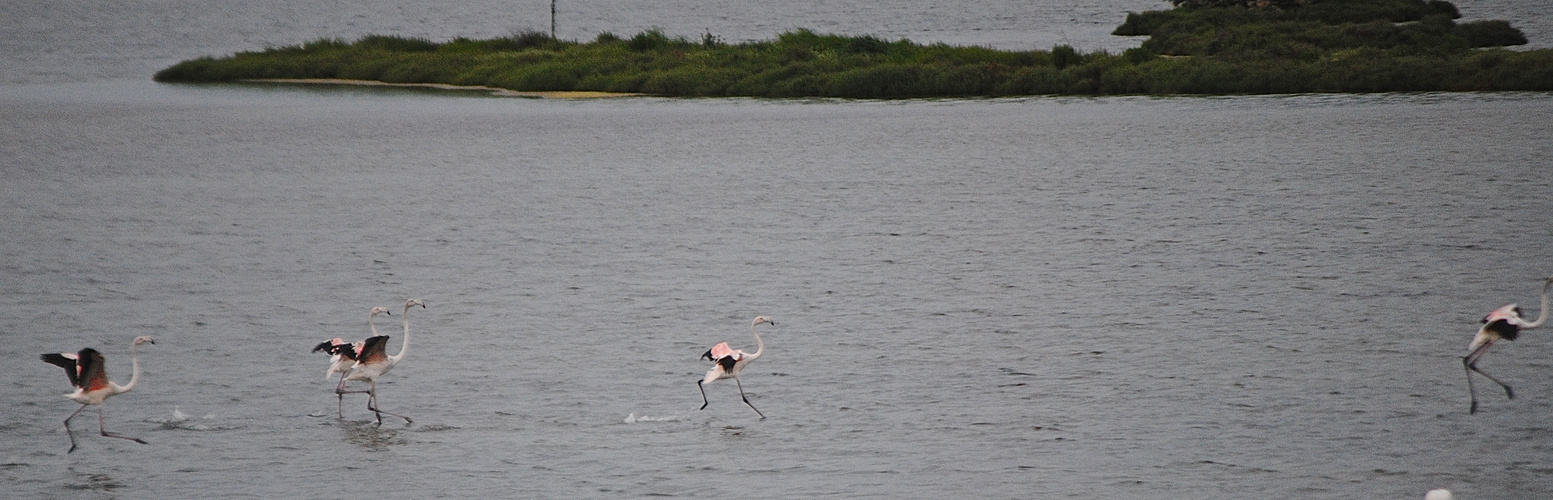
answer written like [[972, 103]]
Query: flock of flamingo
[[363, 361], [367, 360]]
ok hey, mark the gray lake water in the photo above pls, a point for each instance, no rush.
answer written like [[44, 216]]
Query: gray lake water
[[1244, 297]]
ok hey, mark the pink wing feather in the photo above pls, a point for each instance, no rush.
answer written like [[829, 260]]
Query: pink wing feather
[[722, 350], [1506, 313]]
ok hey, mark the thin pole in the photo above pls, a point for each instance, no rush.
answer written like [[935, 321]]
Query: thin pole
[[552, 19]]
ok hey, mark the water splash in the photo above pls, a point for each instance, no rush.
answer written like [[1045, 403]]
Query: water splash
[[179, 420], [633, 418]]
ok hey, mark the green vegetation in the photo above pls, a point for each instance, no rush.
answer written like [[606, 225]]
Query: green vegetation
[[1199, 47]]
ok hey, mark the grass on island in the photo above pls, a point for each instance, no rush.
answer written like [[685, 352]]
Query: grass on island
[[1199, 47]]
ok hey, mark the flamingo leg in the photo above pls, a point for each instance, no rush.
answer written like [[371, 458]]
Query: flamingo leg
[[1470, 364], [704, 401], [747, 399], [340, 393], [1471, 389], [102, 426], [372, 405], [67, 426]]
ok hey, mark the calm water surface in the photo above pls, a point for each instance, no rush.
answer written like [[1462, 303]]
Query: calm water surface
[[1254, 297]]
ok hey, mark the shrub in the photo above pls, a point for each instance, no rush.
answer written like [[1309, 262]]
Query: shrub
[[396, 44], [1490, 34], [1064, 56], [688, 82], [866, 45], [649, 40]]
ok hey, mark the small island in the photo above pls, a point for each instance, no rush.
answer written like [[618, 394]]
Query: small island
[[1198, 47]]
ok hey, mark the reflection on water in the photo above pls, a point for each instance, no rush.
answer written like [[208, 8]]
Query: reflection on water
[[368, 435], [93, 481]]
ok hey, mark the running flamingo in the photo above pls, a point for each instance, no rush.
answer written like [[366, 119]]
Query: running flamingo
[[732, 361], [343, 356], [87, 374], [1504, 323], [374, 361]]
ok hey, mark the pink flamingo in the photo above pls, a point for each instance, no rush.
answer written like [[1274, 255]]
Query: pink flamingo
[[729, 362], [374, 362], [343, 356], [90, 378], [1504, 323]]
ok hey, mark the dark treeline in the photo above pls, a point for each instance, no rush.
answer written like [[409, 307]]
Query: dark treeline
[[1199, 47]]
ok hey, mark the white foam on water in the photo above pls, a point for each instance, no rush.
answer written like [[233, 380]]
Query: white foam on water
[[634, 418]]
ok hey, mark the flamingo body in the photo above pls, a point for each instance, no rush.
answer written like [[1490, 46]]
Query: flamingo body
[[728, 362], [1504, 322], [86, 373], [373, 361]]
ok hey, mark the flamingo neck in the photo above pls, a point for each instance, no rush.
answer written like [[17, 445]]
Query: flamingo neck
[[759, 345], [405, 347], [370, 324], [134, 372], [1543, 314]]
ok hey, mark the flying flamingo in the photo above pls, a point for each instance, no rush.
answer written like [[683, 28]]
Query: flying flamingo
[[90, 378], [374, 361], [730, 362], [343, 356], [1504, 323]]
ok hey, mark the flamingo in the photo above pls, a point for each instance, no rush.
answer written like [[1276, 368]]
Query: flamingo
[[729, 362], [343, 356], [1504, 323], [87, 374], [374, 361]]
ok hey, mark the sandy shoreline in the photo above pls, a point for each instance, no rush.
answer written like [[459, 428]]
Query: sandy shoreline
[[559, 94]]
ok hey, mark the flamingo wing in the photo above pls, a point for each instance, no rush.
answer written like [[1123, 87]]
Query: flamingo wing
[[68, 362], [340, 349], [1505, 322], [722, 350], [374, 351], [93, 375], [724, 355], [327, 346], [1503, 328], [1510, 313]]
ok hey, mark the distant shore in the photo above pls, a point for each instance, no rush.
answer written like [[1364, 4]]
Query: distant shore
[[1201, 47], [495, 91]]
